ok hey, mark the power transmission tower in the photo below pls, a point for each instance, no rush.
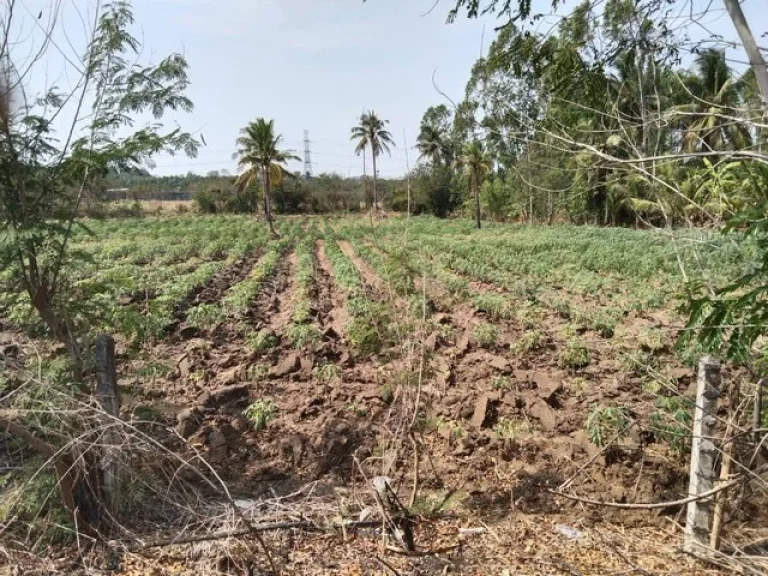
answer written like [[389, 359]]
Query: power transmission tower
[[307, 157]]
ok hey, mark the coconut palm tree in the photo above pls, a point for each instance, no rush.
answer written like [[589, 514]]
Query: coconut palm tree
[[258, 152], [475, 162], [371, 132], [430, 145], [708, 120]]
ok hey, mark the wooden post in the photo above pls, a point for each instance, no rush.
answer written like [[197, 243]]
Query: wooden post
[[108, 396], [703, 454]]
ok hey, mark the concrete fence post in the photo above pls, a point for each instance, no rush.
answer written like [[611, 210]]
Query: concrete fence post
[[703, 453]]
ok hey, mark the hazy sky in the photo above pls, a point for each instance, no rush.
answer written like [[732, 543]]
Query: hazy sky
[[310, 64]]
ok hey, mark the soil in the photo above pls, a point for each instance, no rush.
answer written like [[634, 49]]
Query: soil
[[339, 420]]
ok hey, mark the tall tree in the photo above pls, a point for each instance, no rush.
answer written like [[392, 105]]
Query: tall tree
[[475, 163], [260, 155], [716, 96], [431, 145], [371, 131]]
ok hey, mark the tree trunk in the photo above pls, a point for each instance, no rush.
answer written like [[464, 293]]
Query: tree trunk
[[41, 301], [476, 188], [375, 196], [268, 203], [756, 59]]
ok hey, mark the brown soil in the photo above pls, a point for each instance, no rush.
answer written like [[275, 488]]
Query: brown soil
[[331, 303]]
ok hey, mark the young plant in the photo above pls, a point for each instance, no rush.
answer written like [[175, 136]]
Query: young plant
[[509, 429], [573, 356], [261, 341], [260, 413], [602, 423], [485, 334]]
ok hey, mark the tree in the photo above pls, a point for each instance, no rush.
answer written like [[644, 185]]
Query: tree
[[371, 132], [259, 153], [46, 176], [475, 163], [716, 97], [430, 145]]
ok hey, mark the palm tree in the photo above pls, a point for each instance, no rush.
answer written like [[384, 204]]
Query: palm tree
[[474, 160], [259, 154], [431, 145], [717, 96], [371, 132]]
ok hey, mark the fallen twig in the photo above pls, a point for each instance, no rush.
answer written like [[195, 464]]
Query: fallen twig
[[648, 505]]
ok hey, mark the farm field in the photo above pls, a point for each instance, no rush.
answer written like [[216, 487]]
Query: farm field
[[500, 361]]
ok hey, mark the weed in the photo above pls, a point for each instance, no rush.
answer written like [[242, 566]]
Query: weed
[[579, 386], [494, 305], [386, 393], [499, 382], [262, 340], [326, 371], [509, 429], [603, 423], [357, 410], [257, 372], [530, 340], [485, 334], [671, 422], [573, 356], [301, 335], [652, 339], [154, 369], [260, 413], [205, 316]]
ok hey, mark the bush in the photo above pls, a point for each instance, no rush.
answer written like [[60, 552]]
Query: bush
[[485, 335], [260, 413], [573, 356]]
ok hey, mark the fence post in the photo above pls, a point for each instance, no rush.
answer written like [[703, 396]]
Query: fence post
[[108, 396], [703, 453]]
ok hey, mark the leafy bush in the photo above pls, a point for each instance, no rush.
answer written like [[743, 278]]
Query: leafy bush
[[573, 356], [485, 334], [260, 413], [205, 315], [530, 340], [603, 423], [262, 340]]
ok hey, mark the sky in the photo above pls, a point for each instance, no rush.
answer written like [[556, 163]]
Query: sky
[[310, 65]]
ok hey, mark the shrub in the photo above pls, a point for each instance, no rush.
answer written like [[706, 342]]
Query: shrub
[[485, 335], [262, 340], [508, 428], [205, 315], [260, 413], [603, 423], [573, 356], [530, 340]]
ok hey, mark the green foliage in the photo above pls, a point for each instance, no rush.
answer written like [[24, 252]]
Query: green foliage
[[602, 423], [260, 413], [30, 497], [671, 422], [500, 382], [573, 356], [485, 334], [509, 429], [262, 340], [326, 371], [300, 335], [205, 316], [530, 340]]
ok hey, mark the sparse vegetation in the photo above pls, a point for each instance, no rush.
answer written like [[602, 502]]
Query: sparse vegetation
[[260, 413], [485, 335]]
